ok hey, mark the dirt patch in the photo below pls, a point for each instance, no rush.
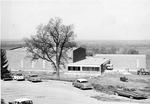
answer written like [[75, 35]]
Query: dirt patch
[[104, 88], [111, 81], [106, 98]]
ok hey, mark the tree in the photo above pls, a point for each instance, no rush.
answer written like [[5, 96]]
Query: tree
[[133, 51], [112, 50], [51, 43], [95, 51], [130, 51], [4, 64], [103, 50], [124, 51]]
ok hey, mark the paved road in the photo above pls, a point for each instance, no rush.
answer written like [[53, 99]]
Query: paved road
[[48, 92]]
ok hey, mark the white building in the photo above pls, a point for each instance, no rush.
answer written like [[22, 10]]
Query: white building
[[92, 66]]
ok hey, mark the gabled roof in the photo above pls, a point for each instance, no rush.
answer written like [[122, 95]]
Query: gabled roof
[[92, 61]]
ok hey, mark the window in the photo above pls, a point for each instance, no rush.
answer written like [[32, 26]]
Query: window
[[96, 68], [84, 81], [73, 68], [26, 102], [19, 74], [78, 81], [90, 68], [34, 76]]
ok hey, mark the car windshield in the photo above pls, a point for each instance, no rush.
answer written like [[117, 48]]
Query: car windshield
[[84, 81], [33, 75], [19, 74], [27, 102]]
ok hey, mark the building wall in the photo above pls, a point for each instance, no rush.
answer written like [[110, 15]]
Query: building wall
[[18, 60], [79, 54], [125, 61], [145, 50], [82, 72], [88, 69]]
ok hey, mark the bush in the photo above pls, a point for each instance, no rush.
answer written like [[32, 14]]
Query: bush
[[130, 51], [106, 89], [98, 87]]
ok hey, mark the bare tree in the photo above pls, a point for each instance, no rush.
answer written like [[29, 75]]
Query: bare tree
[[51, 43]]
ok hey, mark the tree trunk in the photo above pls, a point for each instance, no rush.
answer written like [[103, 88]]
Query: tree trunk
[[57, 64], [57, 70]]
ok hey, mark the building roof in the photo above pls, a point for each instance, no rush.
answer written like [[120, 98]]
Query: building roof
[[121, 55], [92, 61], [22, 99], [81, 80]]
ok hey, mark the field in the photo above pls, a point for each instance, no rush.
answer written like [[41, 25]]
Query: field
[[8, 44]]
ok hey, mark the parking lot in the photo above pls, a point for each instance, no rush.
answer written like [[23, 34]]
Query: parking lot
[[46, 92]]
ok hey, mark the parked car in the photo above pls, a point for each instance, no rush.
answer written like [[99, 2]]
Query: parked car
[[109, 66], [19, 77], [8, 77], [131, 93], [3, 101], [124, 79], [22, 101], [143, 71], [34, 78], [82, 84]]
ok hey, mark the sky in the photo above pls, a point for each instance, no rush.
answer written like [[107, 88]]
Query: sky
[[92, 19]]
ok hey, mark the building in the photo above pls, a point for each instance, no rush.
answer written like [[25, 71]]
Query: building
[[79, 54], [125, 61], [19, 59], [99, 63], [82, 65], [88, 66]]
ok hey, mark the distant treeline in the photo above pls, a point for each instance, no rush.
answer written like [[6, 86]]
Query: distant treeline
[[9, 45], [94, 46], [116, 43], [90, 51], [113, 47]]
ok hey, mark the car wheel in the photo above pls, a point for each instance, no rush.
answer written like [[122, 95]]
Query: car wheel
[[131, 97], [81, 88], [116, 94]]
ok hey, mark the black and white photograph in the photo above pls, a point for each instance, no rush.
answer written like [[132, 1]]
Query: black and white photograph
[[75, 51]]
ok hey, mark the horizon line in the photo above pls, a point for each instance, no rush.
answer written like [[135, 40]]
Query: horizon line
[[85, 40]]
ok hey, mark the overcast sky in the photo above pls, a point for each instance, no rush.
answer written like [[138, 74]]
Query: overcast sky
[[92, 19]]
